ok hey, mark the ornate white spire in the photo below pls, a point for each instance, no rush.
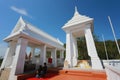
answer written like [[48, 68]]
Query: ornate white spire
[[75, 8], [76, 11], [77, 19], [19, 26]]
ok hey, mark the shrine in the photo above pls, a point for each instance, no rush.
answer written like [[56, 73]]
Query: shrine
[[78, 26]]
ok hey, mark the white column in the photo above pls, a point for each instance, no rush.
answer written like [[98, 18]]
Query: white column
[[61, 56], [33, 54], [19, 60], [75, 53], [12, 53], [54, 58], [8, 58], [20, 55], [96, 63], [69, 49], [42, 54]]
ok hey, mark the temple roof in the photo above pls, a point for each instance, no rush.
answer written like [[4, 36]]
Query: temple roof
[[77, 19], [23, 28]]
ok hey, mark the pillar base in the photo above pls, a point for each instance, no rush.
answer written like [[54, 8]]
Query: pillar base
[[67, 64], [96, 63], [74, 61]]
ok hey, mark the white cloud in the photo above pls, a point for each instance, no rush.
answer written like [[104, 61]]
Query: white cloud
[[20, 11]]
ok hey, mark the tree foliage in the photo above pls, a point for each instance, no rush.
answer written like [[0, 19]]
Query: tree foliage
[[112, 50], [82, 49], [1, 59]]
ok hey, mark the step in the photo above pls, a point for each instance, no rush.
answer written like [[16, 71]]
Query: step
[[5, 74], [89, 73], [25, 76]]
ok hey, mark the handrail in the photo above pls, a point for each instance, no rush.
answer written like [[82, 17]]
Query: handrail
[[112, 72]]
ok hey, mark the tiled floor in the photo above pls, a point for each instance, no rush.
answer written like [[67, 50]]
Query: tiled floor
[[73, 75]]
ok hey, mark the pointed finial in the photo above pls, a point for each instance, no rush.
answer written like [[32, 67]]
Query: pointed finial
[[76, 9], [21, 18]]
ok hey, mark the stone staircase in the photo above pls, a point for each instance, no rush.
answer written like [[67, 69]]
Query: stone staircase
[[5, 74]]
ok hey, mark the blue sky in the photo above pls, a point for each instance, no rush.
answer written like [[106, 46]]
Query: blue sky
[[51, 15]]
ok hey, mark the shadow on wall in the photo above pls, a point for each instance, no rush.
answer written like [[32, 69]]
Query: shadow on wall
[[29, 67]]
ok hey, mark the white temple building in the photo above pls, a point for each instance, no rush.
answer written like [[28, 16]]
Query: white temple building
[[25, 34]]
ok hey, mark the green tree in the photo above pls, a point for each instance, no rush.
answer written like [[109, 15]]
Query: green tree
[[82, 49], [1, 59], [110, 45]]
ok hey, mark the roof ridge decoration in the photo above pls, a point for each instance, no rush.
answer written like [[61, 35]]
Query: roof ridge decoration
[[19, 26], [59, 41], [41, 32], [24, 26]]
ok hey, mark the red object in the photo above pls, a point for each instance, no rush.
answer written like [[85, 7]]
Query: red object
[[50, 60]]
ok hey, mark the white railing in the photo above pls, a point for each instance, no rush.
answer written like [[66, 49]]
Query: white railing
[[113, 73], [115, 63]]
